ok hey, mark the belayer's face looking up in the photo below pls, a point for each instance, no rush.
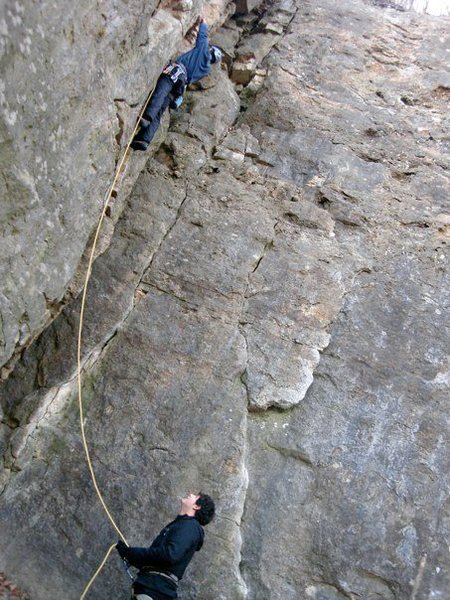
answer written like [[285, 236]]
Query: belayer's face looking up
[[189, 504]]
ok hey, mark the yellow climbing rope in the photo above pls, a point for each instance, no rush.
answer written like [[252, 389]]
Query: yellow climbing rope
[[102, 564], [80, 331]]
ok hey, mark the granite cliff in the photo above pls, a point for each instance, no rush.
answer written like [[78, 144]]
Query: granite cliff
[[267, 314]]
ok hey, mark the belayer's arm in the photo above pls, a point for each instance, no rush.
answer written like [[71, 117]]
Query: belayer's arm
[[137, 557], [174, 546]]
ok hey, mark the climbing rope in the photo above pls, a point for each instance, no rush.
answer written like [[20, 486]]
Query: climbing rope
[[80, 331], [102, 564]]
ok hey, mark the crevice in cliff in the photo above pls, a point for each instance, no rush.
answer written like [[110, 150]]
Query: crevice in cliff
[[164, 237], [390, 584], [145, 286], [242, 321], [339, 589], [40, 414], [246, 482], [2, 337], [244, 374], [268, 246], [298, 455], [248, 71], [90, 358], [120, 122], [245, 471]]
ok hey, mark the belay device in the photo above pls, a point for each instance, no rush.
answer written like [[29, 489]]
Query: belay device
[[127, 566]]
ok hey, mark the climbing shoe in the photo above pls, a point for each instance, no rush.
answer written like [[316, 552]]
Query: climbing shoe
[[139, 145]]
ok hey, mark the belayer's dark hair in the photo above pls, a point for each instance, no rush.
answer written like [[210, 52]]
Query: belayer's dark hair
[[205, 514]]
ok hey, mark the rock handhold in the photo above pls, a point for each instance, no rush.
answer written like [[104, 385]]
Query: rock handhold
[[243, 70]]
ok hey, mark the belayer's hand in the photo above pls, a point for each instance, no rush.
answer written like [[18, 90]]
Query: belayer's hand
[[122, 548]]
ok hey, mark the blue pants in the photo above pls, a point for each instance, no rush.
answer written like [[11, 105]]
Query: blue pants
[[159, 101]]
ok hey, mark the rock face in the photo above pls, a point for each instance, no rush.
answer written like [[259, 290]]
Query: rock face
[[431, 7], [73, 81], [267, 324]]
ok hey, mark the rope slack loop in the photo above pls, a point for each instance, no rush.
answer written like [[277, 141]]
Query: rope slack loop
[[80, 332]]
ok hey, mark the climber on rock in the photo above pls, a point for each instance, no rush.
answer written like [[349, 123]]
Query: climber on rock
[[163, 564], [187, 68]]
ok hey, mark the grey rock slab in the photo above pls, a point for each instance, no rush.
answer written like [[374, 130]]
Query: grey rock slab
[[245, 6], [366, 448], [113, 290], [215, 244], [293, 297], [207, 114], [256, 46], [313, 277], [227, 39], [358, 497], [63, 126], [152, 449]]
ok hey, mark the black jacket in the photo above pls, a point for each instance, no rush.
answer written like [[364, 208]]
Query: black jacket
[[170, 552]]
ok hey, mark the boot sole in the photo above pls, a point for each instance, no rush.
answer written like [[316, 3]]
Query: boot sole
[[139, 146]]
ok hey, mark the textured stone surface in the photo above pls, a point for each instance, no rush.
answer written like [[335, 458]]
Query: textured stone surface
[[244, 6], [9, 591], [431, 7], [360, 469], [73, 81], [129, 301], [288, 252]]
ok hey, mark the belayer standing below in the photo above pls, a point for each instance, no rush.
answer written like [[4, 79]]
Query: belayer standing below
[[163, 564], [187, 68]]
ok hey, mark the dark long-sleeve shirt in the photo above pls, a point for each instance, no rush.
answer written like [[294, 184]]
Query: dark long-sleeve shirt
[[170, 552], [198, 60]]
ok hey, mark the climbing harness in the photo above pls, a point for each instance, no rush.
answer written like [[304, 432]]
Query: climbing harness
[[80, 331], [178, 74], [176, 71], [171, 576]]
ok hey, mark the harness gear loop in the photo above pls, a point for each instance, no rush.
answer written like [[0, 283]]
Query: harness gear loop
[[175, 71]]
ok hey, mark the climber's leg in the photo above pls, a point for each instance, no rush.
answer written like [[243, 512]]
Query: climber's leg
[[152, 115], [145, 134], [162, 90]]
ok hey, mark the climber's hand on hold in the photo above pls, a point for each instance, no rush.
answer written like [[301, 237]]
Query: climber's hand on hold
[[122, 548]]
